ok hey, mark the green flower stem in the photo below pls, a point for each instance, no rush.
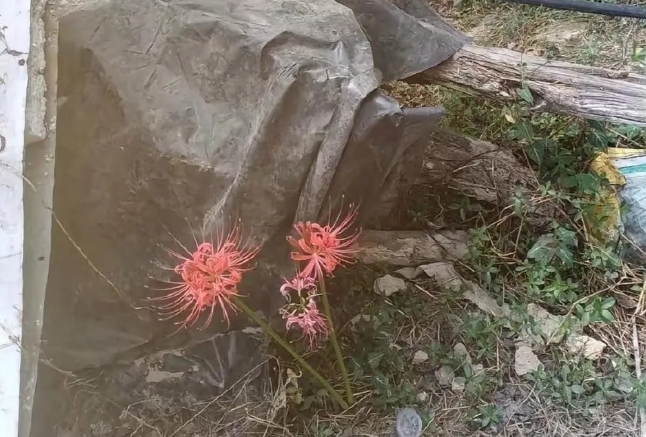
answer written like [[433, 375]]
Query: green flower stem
[[276, 336], [335, 343]]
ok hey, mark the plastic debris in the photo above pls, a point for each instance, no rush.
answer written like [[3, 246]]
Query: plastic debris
[[625, 169], [408, 423]]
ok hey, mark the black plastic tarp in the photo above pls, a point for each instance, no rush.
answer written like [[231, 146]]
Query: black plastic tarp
[[177, 117]]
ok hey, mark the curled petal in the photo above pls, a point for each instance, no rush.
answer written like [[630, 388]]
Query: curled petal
[[299, 284], [324, 248], [309, 320]]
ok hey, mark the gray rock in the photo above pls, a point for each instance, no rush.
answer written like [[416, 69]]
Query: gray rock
[[458, 384], [461, 351], [547, 324], [408, 272], [481, 170], [444, 376], [388, 285], [360, 317], [525, 360], [420, 357], [589, 347], [478, 296], [444, 274]]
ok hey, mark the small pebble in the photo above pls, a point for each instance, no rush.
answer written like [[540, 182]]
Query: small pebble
[[420, 357]]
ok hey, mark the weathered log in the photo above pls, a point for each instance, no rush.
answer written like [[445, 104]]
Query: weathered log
[[475, 168], [410, 248], [588, 92], [483, 171]]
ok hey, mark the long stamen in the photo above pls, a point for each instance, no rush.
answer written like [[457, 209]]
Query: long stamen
[[209, 278]]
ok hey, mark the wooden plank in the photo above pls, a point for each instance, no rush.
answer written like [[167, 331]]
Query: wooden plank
[[588, 92]]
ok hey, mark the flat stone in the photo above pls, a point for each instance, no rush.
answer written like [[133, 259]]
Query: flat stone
[[360, 317], [420, 357], [589, 347], [525, 360], [478, 296], [388, 285], [444, 376], [408, 272], [444, 274], [547, 324], [461, 351], [458, 384]]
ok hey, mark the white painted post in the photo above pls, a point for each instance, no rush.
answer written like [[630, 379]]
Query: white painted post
[[14, 49]]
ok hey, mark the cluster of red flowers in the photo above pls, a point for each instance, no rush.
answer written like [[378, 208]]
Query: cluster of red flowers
[[318, 250], [209, 278], [210, 275]]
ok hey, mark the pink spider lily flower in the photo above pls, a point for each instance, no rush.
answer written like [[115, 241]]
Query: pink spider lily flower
[[299, 284], [309, 320], [209, 279], [324, 248]]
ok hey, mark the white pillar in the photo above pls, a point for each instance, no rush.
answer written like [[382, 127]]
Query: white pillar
[[14, 48]]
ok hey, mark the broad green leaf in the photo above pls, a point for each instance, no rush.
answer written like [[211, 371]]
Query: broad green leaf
[[595, 125], [598, 138], [577, 389], [374, 359], [629, 130], [540, 253], [608, 303], [570, 181], [468, 372], [525, 94], [543, 249], [523, 131], [566, 236], [607, 316], [567, 393]]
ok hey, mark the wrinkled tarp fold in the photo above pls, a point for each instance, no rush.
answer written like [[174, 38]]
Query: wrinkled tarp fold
[[177, 117]]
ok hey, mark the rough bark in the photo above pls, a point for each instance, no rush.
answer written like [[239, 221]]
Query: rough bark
[[475, 168], [588, 92], [410, 248], [481, 170]]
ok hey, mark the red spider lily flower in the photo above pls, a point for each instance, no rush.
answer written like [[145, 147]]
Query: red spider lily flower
[[310, 321], [323, 248], [209, 279], [299, 284]]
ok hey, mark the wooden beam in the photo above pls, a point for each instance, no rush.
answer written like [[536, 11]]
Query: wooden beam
[[587, 92]]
